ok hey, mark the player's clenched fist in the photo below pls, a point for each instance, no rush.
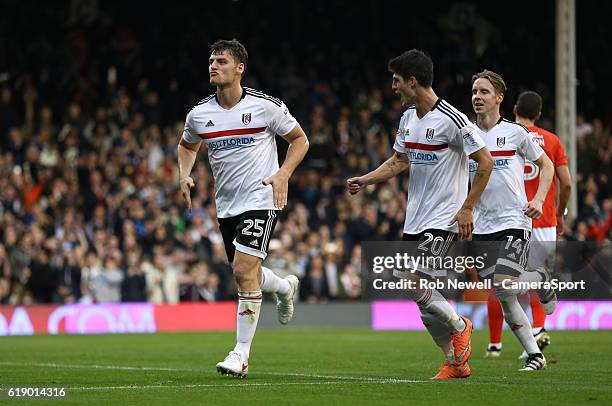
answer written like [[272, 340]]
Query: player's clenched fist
[[354, 185], [186, 184]]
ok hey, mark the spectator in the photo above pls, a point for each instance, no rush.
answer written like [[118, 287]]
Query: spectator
[[351, 282], [201, 286], [162, 284], [106, 284], [133, 288], [43, 279], [314, 286], [5, 291]]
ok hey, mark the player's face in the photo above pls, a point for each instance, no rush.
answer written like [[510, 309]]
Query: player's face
[[224, 69], [404, 89], [484, 98]]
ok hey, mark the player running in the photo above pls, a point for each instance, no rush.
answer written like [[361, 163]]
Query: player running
[[238, 125], [503, 215], [434, 141], [545, 229]]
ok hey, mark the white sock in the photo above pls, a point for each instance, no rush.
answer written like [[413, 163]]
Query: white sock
[[497, 345], [536, 330], [270, 283], [519, 323], [433, 302], [440, 334], [249, 305]]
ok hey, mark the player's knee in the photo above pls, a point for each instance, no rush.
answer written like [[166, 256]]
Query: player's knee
[[244, 273]]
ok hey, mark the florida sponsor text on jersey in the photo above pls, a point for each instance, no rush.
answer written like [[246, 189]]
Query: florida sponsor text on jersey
[[230, 143], [497, 164], [423, 157]]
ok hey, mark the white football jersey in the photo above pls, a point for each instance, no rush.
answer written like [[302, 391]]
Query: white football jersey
[[501, 205], [438, 146], [241, 147]]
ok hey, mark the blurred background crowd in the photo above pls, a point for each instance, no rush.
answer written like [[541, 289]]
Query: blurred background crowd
[[92, 101]]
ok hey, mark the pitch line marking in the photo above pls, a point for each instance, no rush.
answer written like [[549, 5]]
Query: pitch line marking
[[364, 379], [95, 366], [344, 377], [242, 385]]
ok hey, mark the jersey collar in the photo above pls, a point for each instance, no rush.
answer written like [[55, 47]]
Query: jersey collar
[[436, 104], [244, 93]]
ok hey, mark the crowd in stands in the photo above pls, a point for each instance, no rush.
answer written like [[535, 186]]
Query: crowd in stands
[[90, 209]]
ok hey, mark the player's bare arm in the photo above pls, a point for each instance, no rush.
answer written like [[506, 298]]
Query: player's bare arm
[[533, 208], [565, 187], [298, 146], [187, 153], [396, 164], [465, 215]]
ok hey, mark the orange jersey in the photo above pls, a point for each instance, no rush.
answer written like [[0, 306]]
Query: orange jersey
[[553, 148]]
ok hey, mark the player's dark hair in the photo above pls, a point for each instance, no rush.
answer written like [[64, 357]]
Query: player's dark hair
[[413, 63], [529, 105], [234, 47], [495, 78]]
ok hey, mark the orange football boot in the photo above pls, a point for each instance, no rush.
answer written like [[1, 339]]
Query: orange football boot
[[462, 344], [450, 371]]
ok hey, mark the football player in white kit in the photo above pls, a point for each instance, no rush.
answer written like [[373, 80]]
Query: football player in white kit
[[434, 141], [503, 215], [540, 264], [238, 126]]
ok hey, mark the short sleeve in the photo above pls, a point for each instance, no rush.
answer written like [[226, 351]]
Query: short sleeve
[[529, 147], [281, 121], [190, 135], [559, 159], [400, 138], [466, 138]]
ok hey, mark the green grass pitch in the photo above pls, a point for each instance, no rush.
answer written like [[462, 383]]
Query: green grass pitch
[[303, 367]]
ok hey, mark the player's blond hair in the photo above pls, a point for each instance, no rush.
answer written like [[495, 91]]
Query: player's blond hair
[[495, 78]]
